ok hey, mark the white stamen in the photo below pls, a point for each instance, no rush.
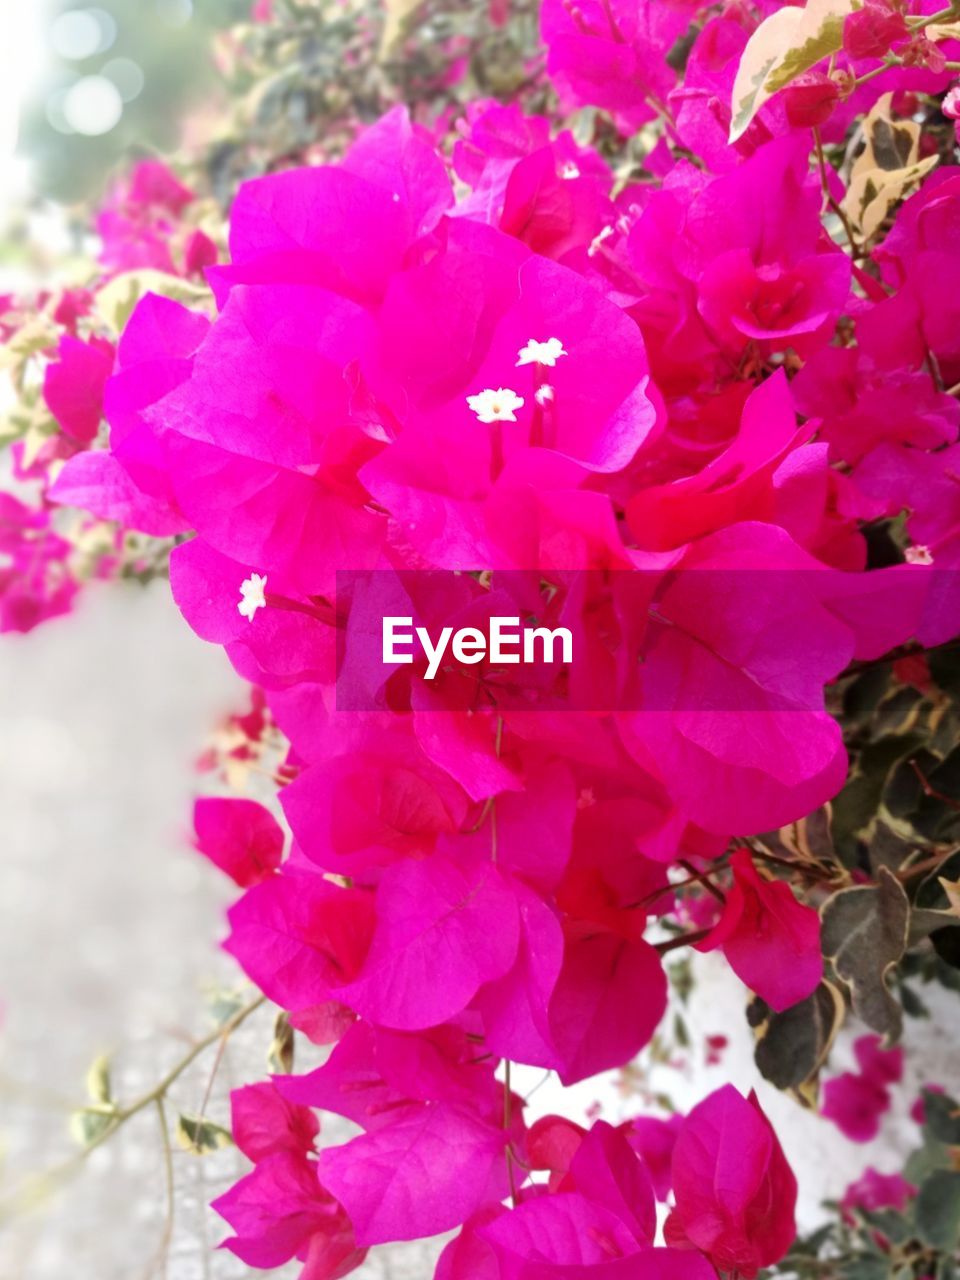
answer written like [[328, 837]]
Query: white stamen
[[496, 406], [603, 234], [918, 555], [544, 394], [252, 595], [545, 353]]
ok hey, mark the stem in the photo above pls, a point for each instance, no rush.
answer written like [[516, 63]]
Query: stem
[[819, 872], [507, 1125], [931, 792], [700, 877], [498, 742], [918, 23], [328, 618], [827, 196], [928, 864], [159, 1090], [890, 61], [218, 1058], [685, 940], [867, 664], [153, 1097], [163, 1249]]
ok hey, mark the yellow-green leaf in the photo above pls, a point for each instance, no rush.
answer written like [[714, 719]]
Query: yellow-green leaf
[[886, 169], [117, 299], [783, 47], [200, 1136], [98, 1079], [89, 1124]]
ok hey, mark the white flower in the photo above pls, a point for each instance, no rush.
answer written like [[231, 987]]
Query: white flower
[[918, 554], [543, 394], [496, 406], [252, 597], [546, 353], [569, 170]]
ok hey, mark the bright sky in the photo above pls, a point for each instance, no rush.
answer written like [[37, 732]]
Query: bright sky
[[23, 58]]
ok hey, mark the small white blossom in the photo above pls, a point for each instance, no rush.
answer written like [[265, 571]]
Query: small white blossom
[[252, 595], [545, 353], [603, 234], [543, 394], [496, 406], [918, 555], [569, 170]]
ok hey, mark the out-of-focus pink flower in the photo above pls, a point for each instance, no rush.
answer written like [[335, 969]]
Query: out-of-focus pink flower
[[878, 1065], [874, 1190], [735, 1193], [918, 1111], [855, 1105], [74, 384]]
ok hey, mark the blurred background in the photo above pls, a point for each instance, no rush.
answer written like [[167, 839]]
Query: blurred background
[[84, 87], [108, 921]]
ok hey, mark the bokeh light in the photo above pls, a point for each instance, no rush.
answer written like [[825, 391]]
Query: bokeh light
[[80, 33], [92, 106]]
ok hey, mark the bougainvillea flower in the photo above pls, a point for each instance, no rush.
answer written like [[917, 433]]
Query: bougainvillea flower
[[277, 1211], [855, 1104], [73, 385], [263, 1122], [614, 56], [879, 1065], [654, 1139], [239, 836], [96, 482], [735, 1193], [300, 937], [874, 1190], [736, 485], [379, 1177], [595, 1021], [771, 941], [434, 918]]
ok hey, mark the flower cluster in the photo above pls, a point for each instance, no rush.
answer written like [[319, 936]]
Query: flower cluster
[[60, 351], [683, 403]]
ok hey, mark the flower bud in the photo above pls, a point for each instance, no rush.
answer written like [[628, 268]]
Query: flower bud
[[921, 52], [810, 100], [869, 32]]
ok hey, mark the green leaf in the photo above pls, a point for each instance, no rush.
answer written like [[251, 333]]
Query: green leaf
[[98, 1080], [199, 1135], [887, 168], [941, 1118], [938, 1210], [865, 1268], [891, 1224], [792, 1046], [89, 1124], [280, 1053], [117, 299], [864, 934], [224, 1005]]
